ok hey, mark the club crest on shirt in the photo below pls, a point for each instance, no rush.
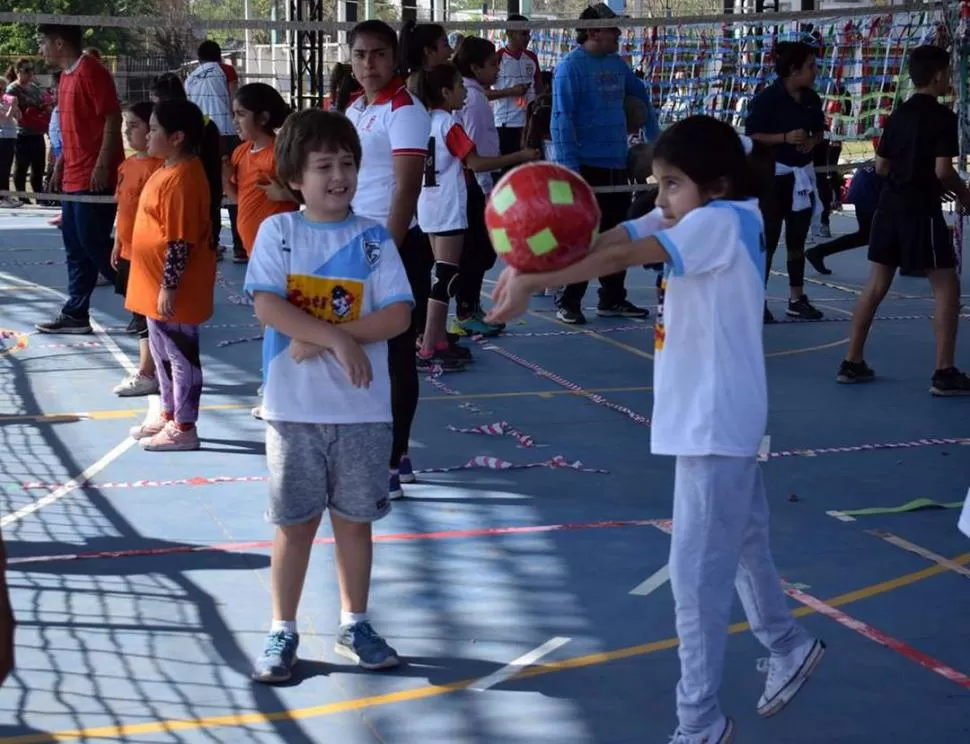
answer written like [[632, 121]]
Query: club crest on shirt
[[372, 252], [330, 300]]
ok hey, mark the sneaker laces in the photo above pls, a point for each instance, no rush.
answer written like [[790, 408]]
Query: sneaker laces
[[276, 643]]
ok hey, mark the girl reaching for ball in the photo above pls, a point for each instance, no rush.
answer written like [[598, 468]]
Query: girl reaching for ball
[[710, 408], [442, 205]]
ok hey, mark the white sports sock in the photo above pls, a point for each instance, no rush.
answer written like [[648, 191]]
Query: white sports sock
[[288, 626], [352, 618]]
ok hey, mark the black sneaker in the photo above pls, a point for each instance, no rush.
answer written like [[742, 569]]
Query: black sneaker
[[568, 315], [851, 373], [439, 361], [65, 324], [458, 351], [137, 325], [950, 383], [622, 309], [803, 309], [817, 261], [769, 316]]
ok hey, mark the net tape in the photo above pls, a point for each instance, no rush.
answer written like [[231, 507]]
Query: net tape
[[694, 64]]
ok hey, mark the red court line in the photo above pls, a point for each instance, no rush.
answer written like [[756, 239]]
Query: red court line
[[877, 636], [862, 628], [235, 547]]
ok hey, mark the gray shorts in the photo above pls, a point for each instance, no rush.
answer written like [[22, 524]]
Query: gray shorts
[[315, 467]]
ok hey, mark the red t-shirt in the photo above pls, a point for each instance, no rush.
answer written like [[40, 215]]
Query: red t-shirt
[[86, 98], [230, 72]]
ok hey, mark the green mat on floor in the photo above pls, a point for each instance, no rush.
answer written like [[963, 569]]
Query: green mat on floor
[[914, 505]]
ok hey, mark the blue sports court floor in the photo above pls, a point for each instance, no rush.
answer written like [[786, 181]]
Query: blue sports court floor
[[531, 603]]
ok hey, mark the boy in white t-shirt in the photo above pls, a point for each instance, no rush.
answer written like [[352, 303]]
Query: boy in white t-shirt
[[331, 290], [710, 409]]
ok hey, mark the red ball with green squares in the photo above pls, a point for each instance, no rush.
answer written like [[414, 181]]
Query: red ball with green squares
[[542, 217]]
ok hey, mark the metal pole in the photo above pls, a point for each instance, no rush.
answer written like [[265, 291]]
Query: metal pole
[[513, 7], [409, 10], [247, 43], [368, 9]]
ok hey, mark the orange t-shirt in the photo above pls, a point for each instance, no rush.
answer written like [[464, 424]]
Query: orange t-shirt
[[133, 174], [253, 169], [174, 206]]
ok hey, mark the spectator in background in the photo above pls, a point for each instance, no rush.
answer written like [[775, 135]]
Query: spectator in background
[[589, 135], [31, 152], [519, 83], [787, 116], [211, 88], [91, 129], [56, 140], [9, 113]]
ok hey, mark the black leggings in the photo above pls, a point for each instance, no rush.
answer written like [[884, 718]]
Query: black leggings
[[477, 254], [31, 156], [778, 210], [847, 242], [402, 363], [7, 147]]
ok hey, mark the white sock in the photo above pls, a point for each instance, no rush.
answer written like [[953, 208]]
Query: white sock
[[288, 626], [352, 618]]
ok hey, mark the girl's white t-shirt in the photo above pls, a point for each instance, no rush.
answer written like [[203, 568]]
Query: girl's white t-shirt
[[442, 205], [710, 385]]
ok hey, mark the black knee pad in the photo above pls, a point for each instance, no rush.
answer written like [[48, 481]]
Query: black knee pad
[[444, 283]]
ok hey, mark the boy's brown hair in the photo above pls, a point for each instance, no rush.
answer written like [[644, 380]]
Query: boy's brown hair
[[309, 131]]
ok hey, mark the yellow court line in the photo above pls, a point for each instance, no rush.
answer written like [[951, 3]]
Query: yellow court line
[[126, 413], [429, 691]]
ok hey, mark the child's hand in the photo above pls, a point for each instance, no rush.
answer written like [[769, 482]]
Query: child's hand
[[166, 303], [275, 191], [115, 256], [527, 155], [300, 351], [354, 361], [511, 295]]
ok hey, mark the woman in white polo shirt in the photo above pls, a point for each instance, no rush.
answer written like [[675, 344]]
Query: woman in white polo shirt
[[394, 130]]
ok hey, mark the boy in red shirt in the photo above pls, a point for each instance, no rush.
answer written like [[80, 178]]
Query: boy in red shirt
[[91, 129]]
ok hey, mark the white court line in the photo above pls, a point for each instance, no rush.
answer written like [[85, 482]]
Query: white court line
[[116, 452], [652, 583], [510, 670], [919, 550], [840, 516], [764, 451]]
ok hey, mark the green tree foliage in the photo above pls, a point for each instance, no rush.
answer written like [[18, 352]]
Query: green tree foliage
[[21, 39]]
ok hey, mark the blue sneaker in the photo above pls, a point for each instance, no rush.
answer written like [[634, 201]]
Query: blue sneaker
[[405, 470], [362, 645], [276, 662], [394, 490]]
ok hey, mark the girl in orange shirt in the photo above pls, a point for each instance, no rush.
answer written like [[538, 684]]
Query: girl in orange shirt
[[173, 272], [133, 174], [249, 178]]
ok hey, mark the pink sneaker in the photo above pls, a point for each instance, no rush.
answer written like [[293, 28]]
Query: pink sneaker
[[147, 431], [172, 439]]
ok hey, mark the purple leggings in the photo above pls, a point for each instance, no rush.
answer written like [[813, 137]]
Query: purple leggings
[[175, 349]]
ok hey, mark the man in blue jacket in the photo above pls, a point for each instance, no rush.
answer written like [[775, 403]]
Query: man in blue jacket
[[589, 135]]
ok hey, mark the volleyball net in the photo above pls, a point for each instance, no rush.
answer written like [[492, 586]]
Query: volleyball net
[[700, 65]]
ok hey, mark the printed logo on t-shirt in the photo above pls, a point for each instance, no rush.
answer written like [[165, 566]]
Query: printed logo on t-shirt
[[330, 300], [372, 252]]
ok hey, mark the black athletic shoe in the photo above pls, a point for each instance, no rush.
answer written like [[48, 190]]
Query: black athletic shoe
[[65, 324], [803, 309], [851, 373], [950, 383]]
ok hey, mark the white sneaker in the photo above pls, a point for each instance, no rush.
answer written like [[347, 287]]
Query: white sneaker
[[136, 385], [720, 732], [787, 674]]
